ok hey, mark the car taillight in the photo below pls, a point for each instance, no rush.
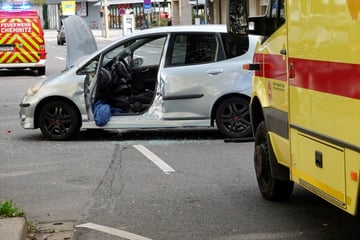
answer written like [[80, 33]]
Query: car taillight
[[42, 47]]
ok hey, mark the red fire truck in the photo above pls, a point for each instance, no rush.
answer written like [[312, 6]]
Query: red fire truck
[[22, 43]]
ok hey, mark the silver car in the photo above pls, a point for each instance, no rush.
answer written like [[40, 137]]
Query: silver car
[[180, 76]]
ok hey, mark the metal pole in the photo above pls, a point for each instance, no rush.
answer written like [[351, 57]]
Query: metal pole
[[206, 11], [197, 8], [159, 13], [106, 19]]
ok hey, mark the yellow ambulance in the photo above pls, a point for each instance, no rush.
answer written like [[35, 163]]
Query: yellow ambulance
[[22, 43], [305, 99]]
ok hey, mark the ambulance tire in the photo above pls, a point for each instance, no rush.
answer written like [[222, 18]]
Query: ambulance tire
[[233, 118], [59, 120], [41, 70], [270, 187]]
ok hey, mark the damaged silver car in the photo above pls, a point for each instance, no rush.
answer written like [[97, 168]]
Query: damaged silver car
[[180, 76]]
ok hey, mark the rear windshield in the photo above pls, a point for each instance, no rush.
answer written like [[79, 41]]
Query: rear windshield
[[234, 44]]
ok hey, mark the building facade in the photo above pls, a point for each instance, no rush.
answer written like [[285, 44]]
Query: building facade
[[162, 12]]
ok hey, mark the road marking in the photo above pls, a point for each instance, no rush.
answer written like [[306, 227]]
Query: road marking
[[264, 236], [112, 231], [60, 58], [155, 159]]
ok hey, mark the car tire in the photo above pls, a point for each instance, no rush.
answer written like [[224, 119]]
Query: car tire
[[41, 70], [233, 118], [59, 120], [270, 187]]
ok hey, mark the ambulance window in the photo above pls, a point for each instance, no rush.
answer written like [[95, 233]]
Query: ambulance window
[[276, 14], [282, 11]]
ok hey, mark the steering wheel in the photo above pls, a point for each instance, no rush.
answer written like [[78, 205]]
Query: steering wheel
[[123, 69]]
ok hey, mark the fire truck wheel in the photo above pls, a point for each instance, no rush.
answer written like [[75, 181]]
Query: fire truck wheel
[[233, 118], [270, 187], [41, 70], [58, 120]]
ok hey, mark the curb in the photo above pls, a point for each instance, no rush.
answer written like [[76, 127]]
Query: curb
[[13, 228]]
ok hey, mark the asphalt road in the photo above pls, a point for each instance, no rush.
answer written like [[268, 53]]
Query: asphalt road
[[164, 184]]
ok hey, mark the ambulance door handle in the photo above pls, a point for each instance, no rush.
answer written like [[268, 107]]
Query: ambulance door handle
[[318, 159], [283, 51], [291, 71]]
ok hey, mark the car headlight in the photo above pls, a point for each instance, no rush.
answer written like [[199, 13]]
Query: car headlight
[[33, 89]]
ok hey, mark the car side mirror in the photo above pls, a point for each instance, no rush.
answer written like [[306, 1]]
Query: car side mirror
[[138, 61]]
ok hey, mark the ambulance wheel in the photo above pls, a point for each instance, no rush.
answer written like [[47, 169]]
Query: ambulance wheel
[[233, 118], [41, 70], [58, 120], [270, 187]]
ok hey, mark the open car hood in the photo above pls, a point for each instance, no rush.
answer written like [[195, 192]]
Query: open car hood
[[79, 39]]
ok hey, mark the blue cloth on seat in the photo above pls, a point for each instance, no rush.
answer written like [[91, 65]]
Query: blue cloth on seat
[[102, 113]]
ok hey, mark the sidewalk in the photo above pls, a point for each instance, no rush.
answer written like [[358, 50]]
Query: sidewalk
[[14, 228], [99, 34], [114, 34]]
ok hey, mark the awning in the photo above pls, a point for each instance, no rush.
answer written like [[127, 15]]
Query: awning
[[59, 1], [200, 2], [115, 2]]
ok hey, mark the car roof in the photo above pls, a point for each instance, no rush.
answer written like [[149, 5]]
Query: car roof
[[209, 28], [184, 28]]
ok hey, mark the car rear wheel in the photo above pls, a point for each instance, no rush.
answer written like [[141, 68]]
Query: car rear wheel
[[270, 187], [59, 121], [233, 118]]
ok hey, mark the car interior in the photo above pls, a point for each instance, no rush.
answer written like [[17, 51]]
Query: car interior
[[124, 82]]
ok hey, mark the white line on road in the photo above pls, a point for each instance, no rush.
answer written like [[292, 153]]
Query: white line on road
[[60, 58], [264, 236], [112, 231], [155, 159]]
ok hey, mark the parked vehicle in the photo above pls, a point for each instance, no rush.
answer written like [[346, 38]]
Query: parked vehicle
[[61, 36], [22, 43], [184, 76]]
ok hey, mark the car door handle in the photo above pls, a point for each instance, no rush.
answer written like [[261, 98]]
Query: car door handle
[[145, 70], [215, 71]]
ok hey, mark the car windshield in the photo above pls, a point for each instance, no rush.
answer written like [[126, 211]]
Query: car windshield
[[127, 49]]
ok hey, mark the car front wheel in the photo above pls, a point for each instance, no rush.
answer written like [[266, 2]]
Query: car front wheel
[[233, 118], [59, 121]]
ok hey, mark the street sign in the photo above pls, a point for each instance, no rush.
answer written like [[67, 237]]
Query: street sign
[[147, 6], [122, 11]]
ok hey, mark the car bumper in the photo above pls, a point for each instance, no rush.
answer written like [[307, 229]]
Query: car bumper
[[41, 63], [27, 115]]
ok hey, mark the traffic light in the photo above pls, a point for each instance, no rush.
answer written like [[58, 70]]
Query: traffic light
[[101, 12]]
